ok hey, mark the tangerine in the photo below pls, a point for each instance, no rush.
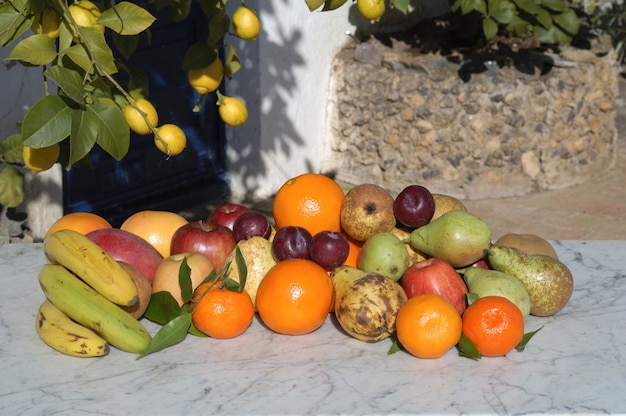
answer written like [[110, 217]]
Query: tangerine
[[294, 297], [353, 254], [494, 324], [82, 222], [221, 313], [312, 201], [428, 326], [156, 227]]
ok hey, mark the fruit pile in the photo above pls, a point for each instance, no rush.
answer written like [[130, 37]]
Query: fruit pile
[[418, 268]]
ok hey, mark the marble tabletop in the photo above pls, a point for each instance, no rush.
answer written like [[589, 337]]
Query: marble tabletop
[[575, 364]]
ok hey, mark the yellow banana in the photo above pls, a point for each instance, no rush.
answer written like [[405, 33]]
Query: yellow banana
[[89, 308], [57, 330], [88, 261]]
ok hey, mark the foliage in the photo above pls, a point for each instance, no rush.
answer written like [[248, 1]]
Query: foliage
[[88, 108], [610, 18]]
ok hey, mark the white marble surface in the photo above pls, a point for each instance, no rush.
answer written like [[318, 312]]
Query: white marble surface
[[575, 364]]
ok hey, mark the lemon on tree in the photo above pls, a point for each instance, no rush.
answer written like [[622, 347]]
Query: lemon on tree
[[246, 23], [40, 159], [371, 9], [173, 139], [208, 79], [135, 120], [85, 14], [46, 23], [232, 110]]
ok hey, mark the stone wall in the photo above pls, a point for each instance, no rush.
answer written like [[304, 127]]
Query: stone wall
[[399, 118]]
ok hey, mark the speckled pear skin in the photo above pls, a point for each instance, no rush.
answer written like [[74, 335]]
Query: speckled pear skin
[[549, 282], [459, 237]]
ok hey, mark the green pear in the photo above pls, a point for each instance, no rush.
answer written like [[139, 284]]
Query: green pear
[[548, 281], [483, 282], [459, 237], [385, 254]]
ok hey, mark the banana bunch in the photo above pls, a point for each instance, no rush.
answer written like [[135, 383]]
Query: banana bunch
[[84, 288]]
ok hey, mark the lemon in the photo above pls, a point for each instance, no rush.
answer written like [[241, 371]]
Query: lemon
[[134, 119], [233, 111], [40, 159], [371, 9], [46, 23], [207, 79], [246, 23], [85, 14], [174, 137]]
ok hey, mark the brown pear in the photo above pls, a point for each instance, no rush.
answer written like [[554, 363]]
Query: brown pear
[[528, 243], [445, 203]]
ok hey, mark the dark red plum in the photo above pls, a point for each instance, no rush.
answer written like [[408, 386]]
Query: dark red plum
[[250, 224], [291, 242], [329, 249], [414, 206]]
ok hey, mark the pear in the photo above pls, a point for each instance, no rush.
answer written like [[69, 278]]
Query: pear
[[529, 243], [483, 282], [384, 253], [459, 237], [366, 304], [404, 236], [445, 203], [549, 282], [257, 254]]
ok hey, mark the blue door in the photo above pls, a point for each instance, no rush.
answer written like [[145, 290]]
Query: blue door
[[145, 179]]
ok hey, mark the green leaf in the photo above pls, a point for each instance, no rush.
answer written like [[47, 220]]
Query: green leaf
[[232, 63], [313, 4], [199, 55], [68, 80], [35, 50], [170, 334], [242, 268], [11, 149], [525, 339], [196, 332], [529, 6], [544, 18], [162, 308], [519, 26], [11, 187], [568, 21], [100, 49], [490, 28], [395, 347], [12, 23], [468, 6], [113, 131], [127, 45], [555, 5], [467, 348], [401, 5], [126, 18], [502, 11], [184, 281], [218, 27], [47, 122], [83, 135], [78, 55]]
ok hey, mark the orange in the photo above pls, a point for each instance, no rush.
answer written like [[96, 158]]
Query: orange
[[82, 222], [428, 326], [494, 324], [221, 313], [355, 249], [312, 201], [156, 227], [294, 297]]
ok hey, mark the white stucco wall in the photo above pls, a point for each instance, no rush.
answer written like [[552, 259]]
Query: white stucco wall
[[284, 83]]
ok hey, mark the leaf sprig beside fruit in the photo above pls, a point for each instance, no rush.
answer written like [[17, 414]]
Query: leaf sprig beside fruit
[[419, 269]]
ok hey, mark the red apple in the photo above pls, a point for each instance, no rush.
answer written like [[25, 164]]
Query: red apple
[[435, 275], [128, 247], [226, 214], [213, 240]]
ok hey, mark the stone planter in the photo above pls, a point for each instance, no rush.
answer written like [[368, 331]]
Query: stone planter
[[399, 118]]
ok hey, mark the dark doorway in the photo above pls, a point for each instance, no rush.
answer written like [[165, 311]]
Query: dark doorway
[[145, 179]]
